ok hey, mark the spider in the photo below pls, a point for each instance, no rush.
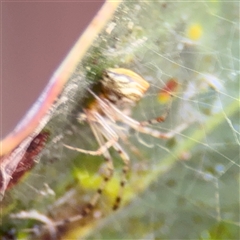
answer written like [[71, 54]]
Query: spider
[[120, 90]]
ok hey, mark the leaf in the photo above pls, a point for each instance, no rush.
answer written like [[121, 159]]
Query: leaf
[[183, 188]]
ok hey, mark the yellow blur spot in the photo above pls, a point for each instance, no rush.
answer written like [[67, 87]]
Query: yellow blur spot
[[194, 32], [94, 181], [111, 190], [88, 181], [164, 97]]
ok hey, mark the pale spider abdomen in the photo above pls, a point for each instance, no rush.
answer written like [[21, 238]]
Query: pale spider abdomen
[[123, 84]]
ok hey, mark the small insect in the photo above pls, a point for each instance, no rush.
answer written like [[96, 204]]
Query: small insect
[[120, 90]]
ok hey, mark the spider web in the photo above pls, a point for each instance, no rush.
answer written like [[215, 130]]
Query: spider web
[[196, 44], [183, 188]]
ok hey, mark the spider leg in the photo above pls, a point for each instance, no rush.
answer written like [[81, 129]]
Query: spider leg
[[98, 128], [105, 105], [108, 171], [125, 171], [126, 160], [97, 131], [146, 130], [99, 151], [158, 119], [103, 146]]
